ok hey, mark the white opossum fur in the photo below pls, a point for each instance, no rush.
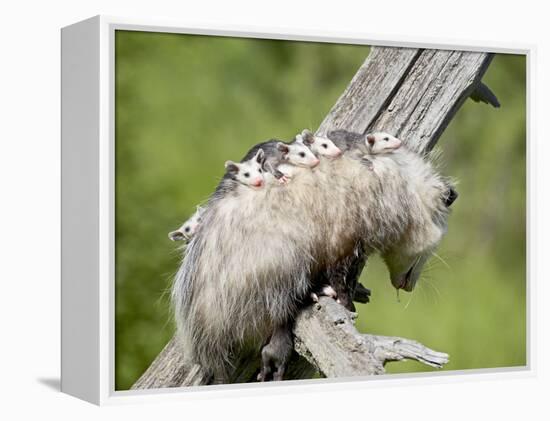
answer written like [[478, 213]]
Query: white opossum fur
[[188, 228], [320, 146], [283, 159], [246, 270]]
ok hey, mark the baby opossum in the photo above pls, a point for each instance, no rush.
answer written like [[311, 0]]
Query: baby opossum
[[358, 145], [379, 143], [248, 172], [282, 159], [252, 262], [188, 228], [320, 146]]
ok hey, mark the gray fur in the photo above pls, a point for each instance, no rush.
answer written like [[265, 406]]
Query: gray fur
[[273, 156], [345, 140], [250, 265]]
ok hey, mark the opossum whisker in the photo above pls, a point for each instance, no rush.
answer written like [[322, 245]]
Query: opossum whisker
[[409, 301], [430, 266], [436, 158], [441, 259], [429, 284], [163, 295]]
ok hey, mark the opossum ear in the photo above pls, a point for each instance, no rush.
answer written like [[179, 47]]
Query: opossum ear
[[231, 167], [283, 148], [370, 139], [450, 196], [260, 156], [307, 137]]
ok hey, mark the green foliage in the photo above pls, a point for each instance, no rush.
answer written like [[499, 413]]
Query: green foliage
[[185, 104]]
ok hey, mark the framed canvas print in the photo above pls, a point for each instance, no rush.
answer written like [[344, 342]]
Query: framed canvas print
[[243, 211]]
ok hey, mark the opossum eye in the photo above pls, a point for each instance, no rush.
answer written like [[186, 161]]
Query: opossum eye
[[187, 229], [302, 154], [260, 170], [246, 174], [325, 145], [386, 139]]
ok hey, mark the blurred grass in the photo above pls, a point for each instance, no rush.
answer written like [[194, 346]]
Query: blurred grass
[[185, 104]]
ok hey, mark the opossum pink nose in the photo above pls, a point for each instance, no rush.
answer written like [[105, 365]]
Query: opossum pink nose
[[258, 183], [338, 152], [316, 162]]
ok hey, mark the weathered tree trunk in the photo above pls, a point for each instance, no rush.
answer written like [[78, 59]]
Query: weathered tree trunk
[[413, 94]]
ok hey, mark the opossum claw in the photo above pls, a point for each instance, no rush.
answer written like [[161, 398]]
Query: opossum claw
[[314, 297]]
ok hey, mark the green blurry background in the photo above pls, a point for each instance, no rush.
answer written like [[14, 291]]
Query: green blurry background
[[185, 104]]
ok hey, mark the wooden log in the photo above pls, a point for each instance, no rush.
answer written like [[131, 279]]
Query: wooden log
[[326, 336], [430, 95], [371, 88], [414, 97], [413, 94], [170, 371]]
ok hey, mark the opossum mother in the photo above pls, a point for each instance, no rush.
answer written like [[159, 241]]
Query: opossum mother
[[250, 263]]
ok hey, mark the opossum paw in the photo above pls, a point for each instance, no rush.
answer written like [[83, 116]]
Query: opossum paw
[[328, 291], [276, 354], [268, 361], [284, 180], [264, 372], [324, 291]]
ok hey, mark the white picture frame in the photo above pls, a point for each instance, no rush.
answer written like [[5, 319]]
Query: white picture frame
[[88, 214]]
